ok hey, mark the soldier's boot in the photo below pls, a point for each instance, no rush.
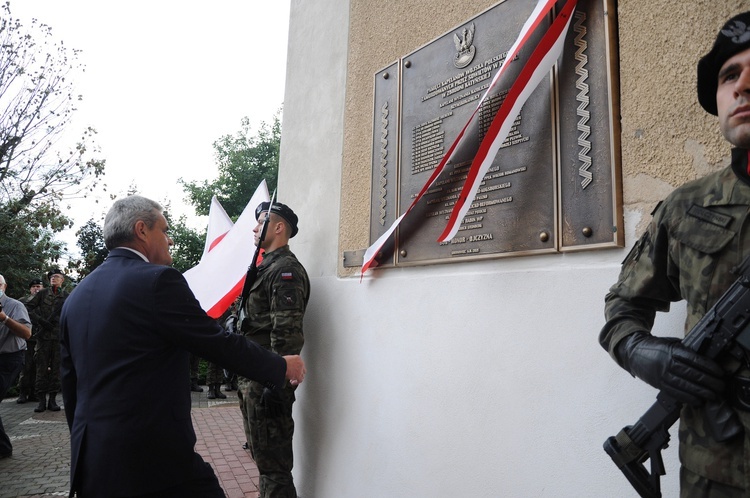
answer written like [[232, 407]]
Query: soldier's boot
[[42, 403], [218, 393], [211, 392], [52, 403], [22, 398], [195, 387]]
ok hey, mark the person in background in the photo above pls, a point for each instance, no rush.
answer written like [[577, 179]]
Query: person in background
[[214, 379], [15, 329], [28, 373], [35, 285], [229, 322], [195, 362], [44, 309]]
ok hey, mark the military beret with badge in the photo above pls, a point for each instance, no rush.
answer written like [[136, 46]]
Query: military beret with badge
[[281, 210], [733, 38]]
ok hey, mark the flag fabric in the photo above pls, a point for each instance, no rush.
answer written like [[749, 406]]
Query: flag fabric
[[539, 13], [219, 224], [218, 279]]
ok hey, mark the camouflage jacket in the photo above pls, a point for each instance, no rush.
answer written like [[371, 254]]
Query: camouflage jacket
[[276, 304], [697, 235], [44, 310]]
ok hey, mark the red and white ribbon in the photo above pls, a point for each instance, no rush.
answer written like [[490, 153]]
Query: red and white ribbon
[[538, 66], [537, 16]]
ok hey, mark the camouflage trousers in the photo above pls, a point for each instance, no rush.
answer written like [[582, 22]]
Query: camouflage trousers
[[269, 439], [694, 486], [214, 374], [47, 359], [194, 367]]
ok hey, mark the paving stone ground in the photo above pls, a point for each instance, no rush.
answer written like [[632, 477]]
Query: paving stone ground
[[39, 467]]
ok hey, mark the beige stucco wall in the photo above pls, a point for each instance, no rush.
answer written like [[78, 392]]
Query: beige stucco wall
[[667, 138]]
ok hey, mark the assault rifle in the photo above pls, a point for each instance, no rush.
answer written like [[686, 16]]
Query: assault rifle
[[725, 329], [252, 270]]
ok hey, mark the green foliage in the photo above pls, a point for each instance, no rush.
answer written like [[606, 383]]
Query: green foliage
[[37, 170], [26, 251], [188, 243], [93, 252], [244, 161]]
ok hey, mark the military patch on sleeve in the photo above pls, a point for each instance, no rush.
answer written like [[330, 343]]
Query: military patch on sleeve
[[287, 299], [712, 217], [287, 276]]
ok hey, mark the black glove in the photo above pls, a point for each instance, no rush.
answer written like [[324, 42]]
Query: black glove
[[672, 368], [272, 402]]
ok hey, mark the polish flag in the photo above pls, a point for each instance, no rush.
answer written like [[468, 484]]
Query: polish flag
[[219, 224], [218, 279]]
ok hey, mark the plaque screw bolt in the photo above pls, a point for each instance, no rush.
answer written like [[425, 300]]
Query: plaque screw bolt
[[544, 236], [407, 64], [587, 232], [403, 253], [385, 76]]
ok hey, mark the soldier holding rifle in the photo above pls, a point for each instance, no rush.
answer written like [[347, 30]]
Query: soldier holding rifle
[[272, 309], [697, 235]]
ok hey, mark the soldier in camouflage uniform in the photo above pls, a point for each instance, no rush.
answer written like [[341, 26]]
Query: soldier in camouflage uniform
[[272, 317], [44, 310], [27, 378], [697, 235]]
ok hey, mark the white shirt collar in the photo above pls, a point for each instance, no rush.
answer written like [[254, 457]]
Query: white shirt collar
[[137, 252]]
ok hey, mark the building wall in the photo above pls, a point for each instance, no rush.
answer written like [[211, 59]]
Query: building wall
[[480, 378]]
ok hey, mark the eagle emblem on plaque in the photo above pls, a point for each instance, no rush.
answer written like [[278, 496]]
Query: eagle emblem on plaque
[[464, 47]]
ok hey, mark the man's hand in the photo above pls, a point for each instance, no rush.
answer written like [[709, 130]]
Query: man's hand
[[295, 369], [671, 367]]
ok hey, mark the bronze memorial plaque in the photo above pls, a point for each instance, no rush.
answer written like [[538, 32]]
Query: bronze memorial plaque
[[590, 189], [385, 154], [553, 185]]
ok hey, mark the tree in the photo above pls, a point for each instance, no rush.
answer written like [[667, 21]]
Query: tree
[[188, 243], [38, 171], [25, 253], [93, 252], [243, 161]]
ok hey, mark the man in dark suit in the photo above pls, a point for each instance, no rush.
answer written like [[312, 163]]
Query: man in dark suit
[[129, 325]]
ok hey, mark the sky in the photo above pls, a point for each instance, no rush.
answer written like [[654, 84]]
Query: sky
[[164, 79]]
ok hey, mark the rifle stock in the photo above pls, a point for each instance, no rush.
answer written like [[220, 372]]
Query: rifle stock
[[721, 331]]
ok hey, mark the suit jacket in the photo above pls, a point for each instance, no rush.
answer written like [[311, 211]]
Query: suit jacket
[[126, 333]]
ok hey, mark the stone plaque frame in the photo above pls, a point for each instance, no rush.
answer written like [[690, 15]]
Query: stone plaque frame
[[555, 184]]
